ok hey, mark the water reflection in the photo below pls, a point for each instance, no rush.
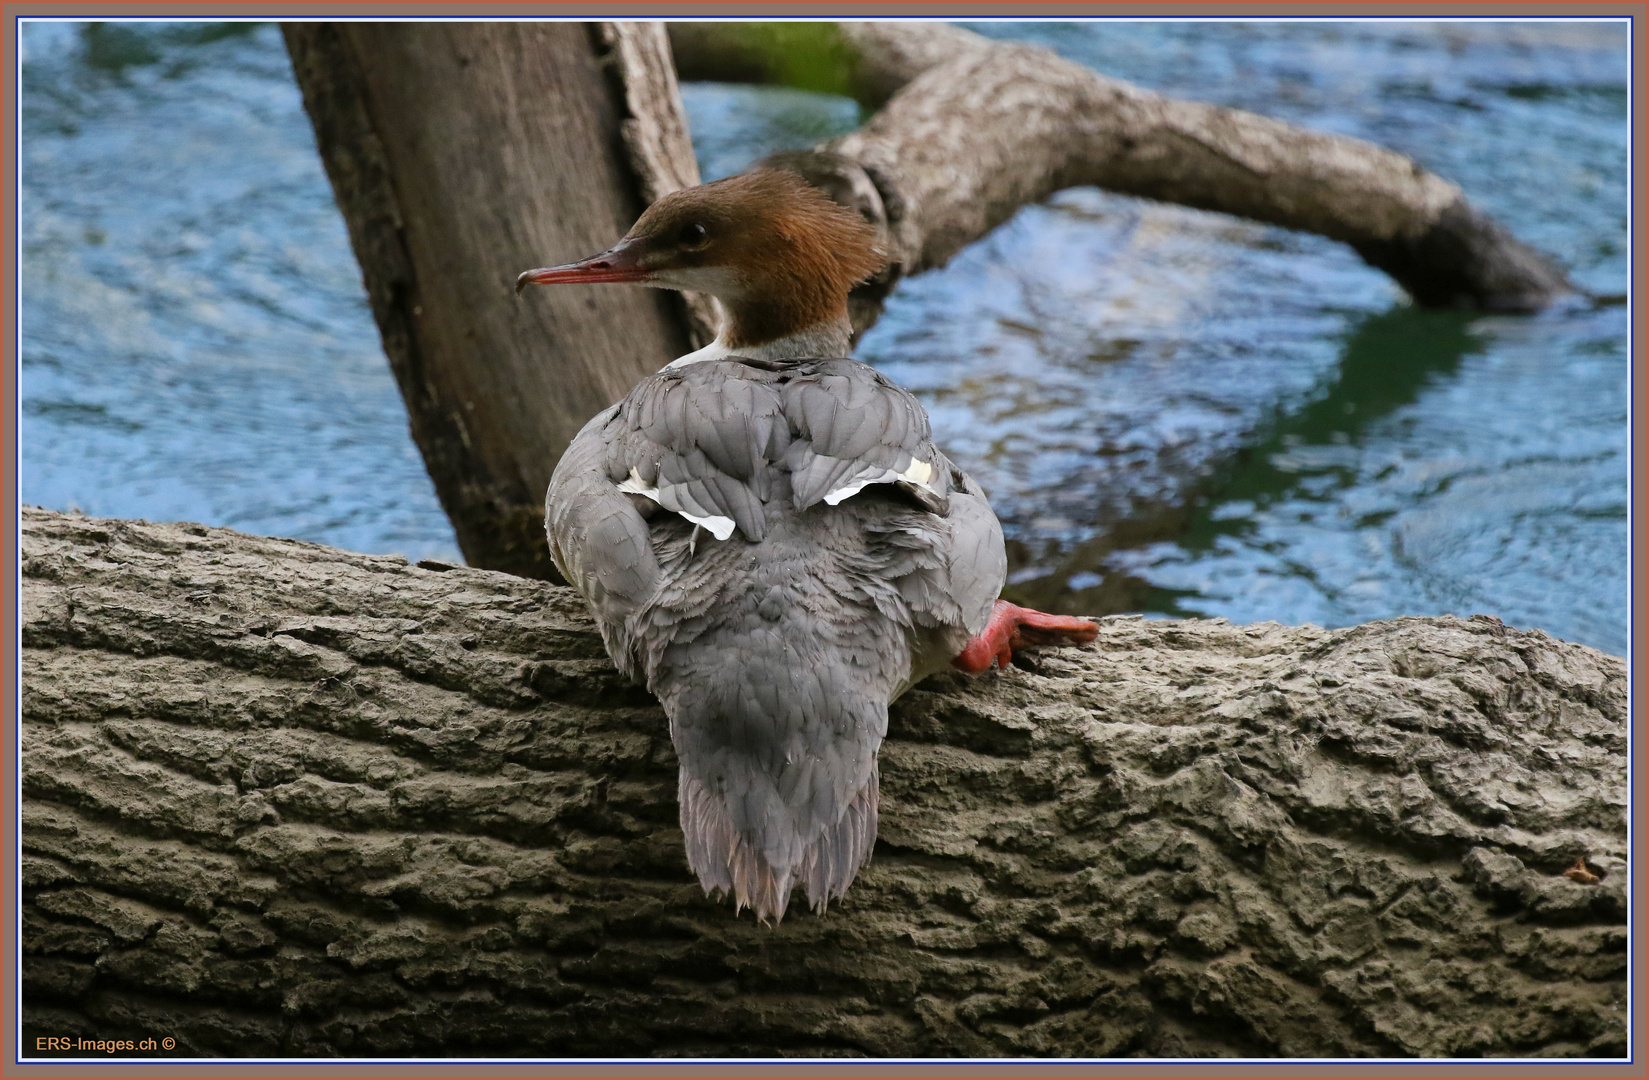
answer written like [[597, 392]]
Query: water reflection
[[1415, 484], [1387, 362]]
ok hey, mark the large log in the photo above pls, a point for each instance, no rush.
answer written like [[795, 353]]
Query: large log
[[281, 799], [970, 130]]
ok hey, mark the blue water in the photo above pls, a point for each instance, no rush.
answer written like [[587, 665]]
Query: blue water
[[1173, 411]]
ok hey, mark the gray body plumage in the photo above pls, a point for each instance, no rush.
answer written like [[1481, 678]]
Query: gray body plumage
[[778, 550]]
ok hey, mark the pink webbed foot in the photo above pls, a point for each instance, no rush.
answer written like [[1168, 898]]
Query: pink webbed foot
[[1013, 627]]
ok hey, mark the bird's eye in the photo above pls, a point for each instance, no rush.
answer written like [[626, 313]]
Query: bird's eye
[[692, 235]]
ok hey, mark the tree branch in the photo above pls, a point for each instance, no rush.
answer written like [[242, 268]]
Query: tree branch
[[286, 800], [972, 130], [460, 155], [654, 130]]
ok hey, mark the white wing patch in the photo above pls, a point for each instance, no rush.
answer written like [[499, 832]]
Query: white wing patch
[[918, 474], [720, 527], [635, 485]]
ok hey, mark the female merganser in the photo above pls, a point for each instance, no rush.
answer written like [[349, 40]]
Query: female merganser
[[766, 534]]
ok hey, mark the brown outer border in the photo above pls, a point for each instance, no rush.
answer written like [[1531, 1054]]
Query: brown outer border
[[371, 9]]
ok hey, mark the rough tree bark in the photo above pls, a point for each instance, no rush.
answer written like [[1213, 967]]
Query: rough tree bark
[[970, 130], [287, 800], [462, 154]]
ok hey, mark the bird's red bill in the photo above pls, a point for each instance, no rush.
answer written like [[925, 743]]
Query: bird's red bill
[[615, 265]]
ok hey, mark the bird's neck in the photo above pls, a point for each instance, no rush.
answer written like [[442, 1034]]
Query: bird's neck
[[760, 339]]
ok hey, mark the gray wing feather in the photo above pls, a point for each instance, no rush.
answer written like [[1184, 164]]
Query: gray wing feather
[[598, 540], [853, 427], [976, 559], [702, 442]]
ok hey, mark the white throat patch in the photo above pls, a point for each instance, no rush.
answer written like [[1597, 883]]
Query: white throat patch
[[716, 350], [823, 341]]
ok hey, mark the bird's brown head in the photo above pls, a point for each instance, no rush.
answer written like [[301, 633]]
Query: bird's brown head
[[779, 253]]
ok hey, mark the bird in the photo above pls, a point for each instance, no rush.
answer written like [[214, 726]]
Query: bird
[[768, 538]]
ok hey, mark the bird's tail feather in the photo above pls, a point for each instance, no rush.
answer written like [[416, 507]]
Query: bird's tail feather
[[730, 861]]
